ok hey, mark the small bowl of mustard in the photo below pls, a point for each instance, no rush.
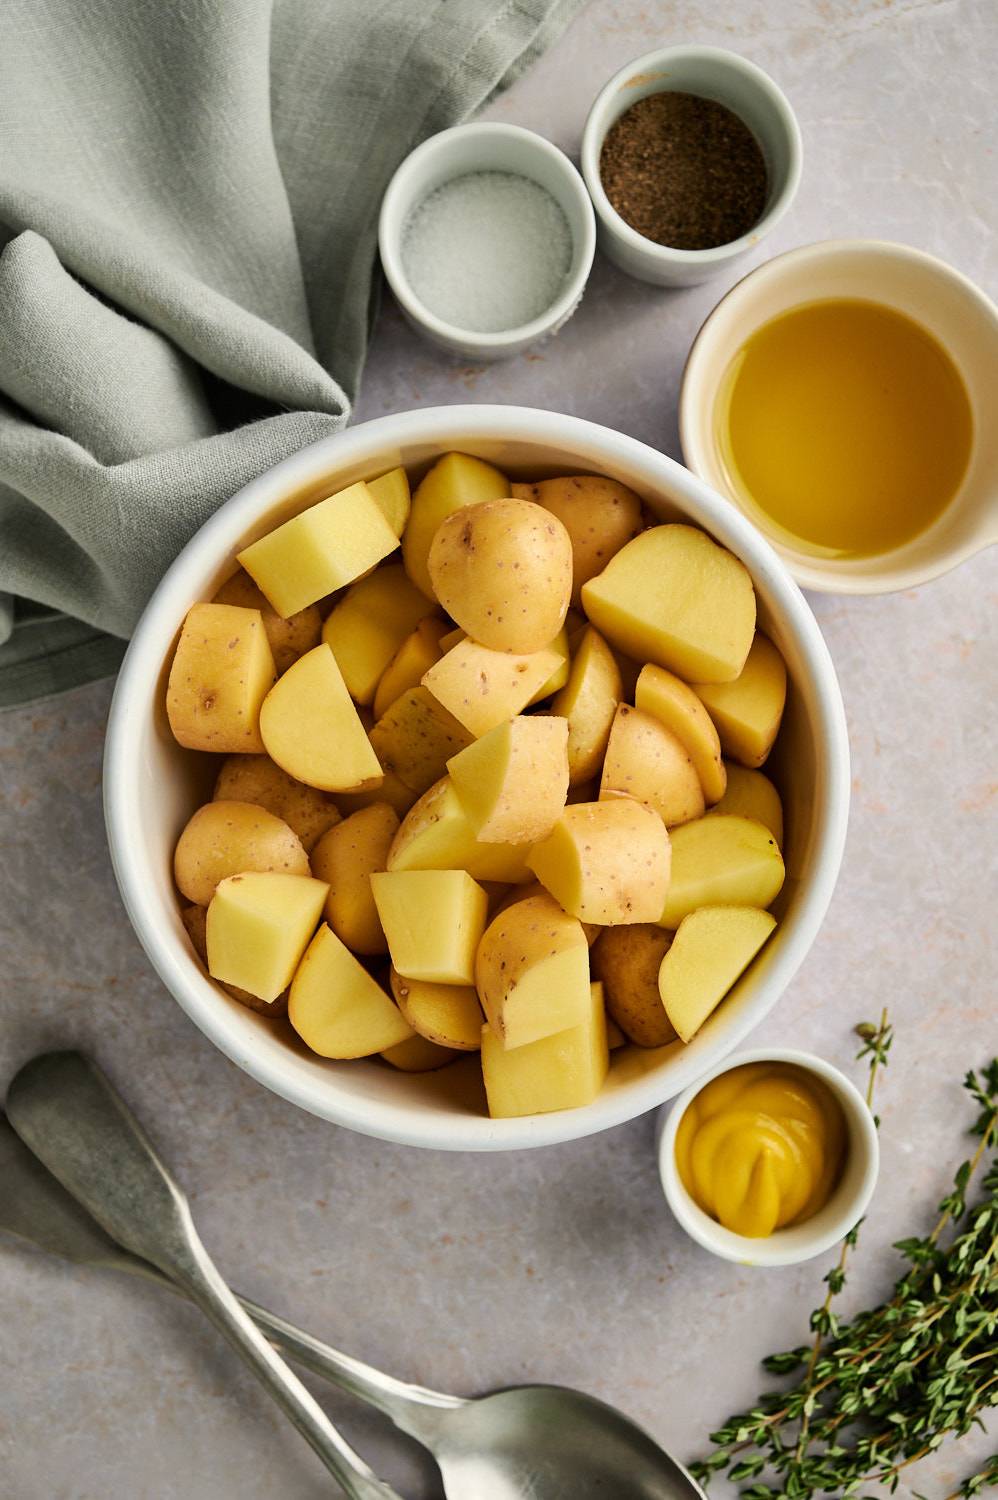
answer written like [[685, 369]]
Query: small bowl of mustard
[[770, 1159]]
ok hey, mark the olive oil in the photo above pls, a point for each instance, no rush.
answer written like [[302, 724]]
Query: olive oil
[[847, 425]]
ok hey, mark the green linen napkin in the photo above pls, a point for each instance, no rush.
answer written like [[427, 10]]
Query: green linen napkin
[[189, 193]]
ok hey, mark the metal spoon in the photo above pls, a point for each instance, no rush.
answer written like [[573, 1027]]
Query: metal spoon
[[65, 1110], [541, 1442]]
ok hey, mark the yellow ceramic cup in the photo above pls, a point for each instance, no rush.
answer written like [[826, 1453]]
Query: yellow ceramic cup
[[947, 305]]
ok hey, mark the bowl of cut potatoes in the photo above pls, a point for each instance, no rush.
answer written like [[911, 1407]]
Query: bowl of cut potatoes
[[477, 778]]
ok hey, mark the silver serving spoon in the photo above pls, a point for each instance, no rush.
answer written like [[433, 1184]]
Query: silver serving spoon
[[65, 1110], [528, 1443]]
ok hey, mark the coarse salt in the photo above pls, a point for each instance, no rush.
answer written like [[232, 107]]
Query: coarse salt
[[487, 252]]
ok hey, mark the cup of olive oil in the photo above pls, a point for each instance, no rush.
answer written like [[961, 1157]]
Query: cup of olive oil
[[838, 396]]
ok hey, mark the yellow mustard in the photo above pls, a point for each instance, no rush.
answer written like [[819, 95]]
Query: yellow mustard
[[761, 1147]]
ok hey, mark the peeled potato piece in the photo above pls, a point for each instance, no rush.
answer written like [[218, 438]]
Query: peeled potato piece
[[195, 920], [456, 480], [646, 761], [337, 1008], [749, 710], [589, 701], [322, 549], [391, 494], [513, 782], [448, 1014], [225, 838], [674, 597], [750, 794], [532, 971], [258, 779], [562, 1071], [721, 860], [345, 858], [222, 671], [627, 961], [503, 571], [288, 638], [606, 862], [599, 515], [258, 927], [310, 727], [673, 702], [436, 834], [433, 920], [710, 950]]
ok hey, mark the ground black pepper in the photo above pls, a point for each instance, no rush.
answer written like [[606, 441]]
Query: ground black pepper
[[684, 171]]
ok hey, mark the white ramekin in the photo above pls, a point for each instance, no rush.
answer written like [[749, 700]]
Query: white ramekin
[[486, 146], [151, 785], [944, 302], [798, 1242], [713, 73]]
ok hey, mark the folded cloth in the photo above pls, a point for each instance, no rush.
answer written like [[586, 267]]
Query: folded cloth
[[188, 207]]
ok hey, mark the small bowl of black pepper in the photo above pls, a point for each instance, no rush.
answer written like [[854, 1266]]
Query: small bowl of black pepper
[[691, 155]]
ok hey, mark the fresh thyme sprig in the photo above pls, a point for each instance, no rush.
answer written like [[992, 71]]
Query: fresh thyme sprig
[[874, 1395]]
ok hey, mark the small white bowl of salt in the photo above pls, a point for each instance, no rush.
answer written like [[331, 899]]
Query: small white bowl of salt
[[487, 236]]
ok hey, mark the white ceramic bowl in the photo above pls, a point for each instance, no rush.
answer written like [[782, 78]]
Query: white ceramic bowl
[[930, 292], [486, 146], [798, 1242], [151, 785], [713, 73]]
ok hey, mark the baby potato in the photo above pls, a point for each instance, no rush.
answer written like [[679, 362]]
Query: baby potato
[[221, 674], [503, 571], [456, 480], [448, 1014], [483, 688], [532, 972], [599, 515], [345, 858], [710, 951], [257, 778], [748, 711], [416, 737], [288, 638], [627, 960], [225, 838], [667, 697]]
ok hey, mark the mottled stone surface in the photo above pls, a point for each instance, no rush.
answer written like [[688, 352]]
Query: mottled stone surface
[[471, 1272]]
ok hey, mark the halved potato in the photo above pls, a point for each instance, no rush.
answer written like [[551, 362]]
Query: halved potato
[[337, 1008], [512, 782], [309, 725], [433, 920], [258, 927], [589, 701], [436, 834], [711, 949], [195, 920], [481, 688], [456, 480], [368, 624], [416, 737], [562, 1071], [749, 710], [532, 972], [721, 860], [750, 794], [599, 515], [222, 672], [674, 597], [345, 858], [606, 862]]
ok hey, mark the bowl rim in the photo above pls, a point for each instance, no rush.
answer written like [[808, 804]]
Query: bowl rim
[[594, 133], [774, 1250], [447, 427], [584, 249], [823, 576]]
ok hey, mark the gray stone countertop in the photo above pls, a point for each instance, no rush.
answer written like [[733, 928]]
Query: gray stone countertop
[[470, 1272]]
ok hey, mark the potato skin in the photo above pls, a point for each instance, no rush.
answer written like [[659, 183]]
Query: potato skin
[[627, 960], [503, 571], [288, 638], [228, 838], [599, 514], [257, 778], [345, 858]]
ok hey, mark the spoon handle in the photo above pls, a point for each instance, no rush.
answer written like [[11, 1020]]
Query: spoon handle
[[199, 1278], [410, 1407]]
